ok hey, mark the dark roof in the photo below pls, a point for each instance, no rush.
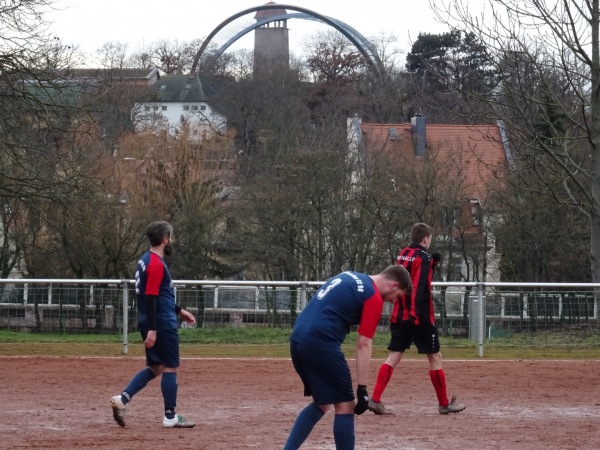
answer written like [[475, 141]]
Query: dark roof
[[266, 13], [178, 88], [123, 74]]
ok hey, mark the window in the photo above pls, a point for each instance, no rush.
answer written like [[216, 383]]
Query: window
[[164, 108], [203, 108], [186, 107], [195, 108], [475, 211], [147, 107], [155, 108], [393, 134]]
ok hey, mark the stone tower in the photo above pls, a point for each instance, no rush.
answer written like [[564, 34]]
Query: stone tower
[[271, 44]]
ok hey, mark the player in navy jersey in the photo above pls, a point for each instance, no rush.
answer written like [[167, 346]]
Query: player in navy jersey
[[413, 320], [347, 299], [157, 323]]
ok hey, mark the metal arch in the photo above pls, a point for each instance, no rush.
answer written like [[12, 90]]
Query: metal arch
[[369, 52], [360, 42]]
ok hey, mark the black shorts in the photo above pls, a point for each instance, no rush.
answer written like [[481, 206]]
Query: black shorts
[[425, 336]]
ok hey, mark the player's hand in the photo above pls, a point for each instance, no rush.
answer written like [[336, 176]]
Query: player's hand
[[436, 257], [150, 339], [187, 316], [362, 399]]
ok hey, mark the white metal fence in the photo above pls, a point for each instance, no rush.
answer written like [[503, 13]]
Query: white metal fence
[[470, 310]]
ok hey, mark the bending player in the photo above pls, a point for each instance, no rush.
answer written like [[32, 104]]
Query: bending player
[[347, 299]]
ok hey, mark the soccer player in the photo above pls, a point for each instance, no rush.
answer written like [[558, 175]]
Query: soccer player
[[347, 299], [413, 320], [157, 323]]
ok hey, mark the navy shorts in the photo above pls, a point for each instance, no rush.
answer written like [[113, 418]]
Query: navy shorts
[[324, 373], [165, 350], [425, 336]]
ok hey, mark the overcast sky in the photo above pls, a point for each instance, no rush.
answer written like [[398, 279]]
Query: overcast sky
[[90, 23]]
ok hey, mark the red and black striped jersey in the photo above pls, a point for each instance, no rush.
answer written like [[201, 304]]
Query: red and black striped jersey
[[417, 306]]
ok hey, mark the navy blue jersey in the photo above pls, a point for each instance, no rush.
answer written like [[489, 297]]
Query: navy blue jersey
[[152, 277], [347, 299]]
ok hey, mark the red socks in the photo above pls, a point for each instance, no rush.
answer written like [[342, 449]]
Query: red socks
[[438, 379], [383, 378]]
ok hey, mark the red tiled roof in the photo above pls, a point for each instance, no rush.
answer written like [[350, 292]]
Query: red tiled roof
[[481, 150]]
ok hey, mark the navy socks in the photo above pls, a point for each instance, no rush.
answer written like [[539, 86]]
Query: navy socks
[[303, 425], [137, 384], [168, 386], [343, 431]]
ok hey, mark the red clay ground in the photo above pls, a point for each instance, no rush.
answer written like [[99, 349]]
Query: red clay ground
[[62, 403]]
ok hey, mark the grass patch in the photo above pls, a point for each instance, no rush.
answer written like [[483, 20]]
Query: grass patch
[[229, 342]]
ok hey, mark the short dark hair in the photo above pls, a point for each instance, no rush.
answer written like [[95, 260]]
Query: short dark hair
[[399, 274], [157, 231], [419, 232]]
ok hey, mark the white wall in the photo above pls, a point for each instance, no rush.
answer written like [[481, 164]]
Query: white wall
[[203, 121]]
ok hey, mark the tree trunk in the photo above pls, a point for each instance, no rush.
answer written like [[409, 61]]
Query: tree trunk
[[595, 143]]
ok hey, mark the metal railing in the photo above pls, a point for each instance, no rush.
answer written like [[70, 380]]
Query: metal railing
[[464, 309]]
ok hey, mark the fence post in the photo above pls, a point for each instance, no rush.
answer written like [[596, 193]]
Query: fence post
[[481, 318], [125, 317], [302, 296]]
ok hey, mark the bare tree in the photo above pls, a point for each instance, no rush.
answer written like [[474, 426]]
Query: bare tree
[[183, 182], [41, 112], [171, 57], [113, 55], [547, 57]]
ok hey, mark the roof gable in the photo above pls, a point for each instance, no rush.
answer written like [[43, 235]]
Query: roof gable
[[178, 88]]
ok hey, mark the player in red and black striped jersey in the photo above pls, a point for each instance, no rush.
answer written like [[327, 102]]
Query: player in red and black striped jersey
[[413, 321]]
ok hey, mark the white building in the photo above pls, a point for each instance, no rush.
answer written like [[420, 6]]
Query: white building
[[175, 102]]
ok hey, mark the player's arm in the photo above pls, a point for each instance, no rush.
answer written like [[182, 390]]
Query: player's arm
[[155, 273], [421, 268], [151, 317], [364, 349], [185, 315], [372, 309]]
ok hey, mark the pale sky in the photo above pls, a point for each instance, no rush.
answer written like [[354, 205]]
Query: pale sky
[[90, 23]]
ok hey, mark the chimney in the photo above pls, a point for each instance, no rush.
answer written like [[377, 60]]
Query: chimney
[[417, 128]]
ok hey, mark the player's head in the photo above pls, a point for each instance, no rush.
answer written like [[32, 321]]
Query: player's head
[[395, 280], [159, 233], [421, 234]]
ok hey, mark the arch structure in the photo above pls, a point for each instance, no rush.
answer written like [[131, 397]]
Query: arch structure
[[358, 40]]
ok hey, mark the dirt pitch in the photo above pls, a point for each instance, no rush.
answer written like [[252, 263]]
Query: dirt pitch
[[62, 403]]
